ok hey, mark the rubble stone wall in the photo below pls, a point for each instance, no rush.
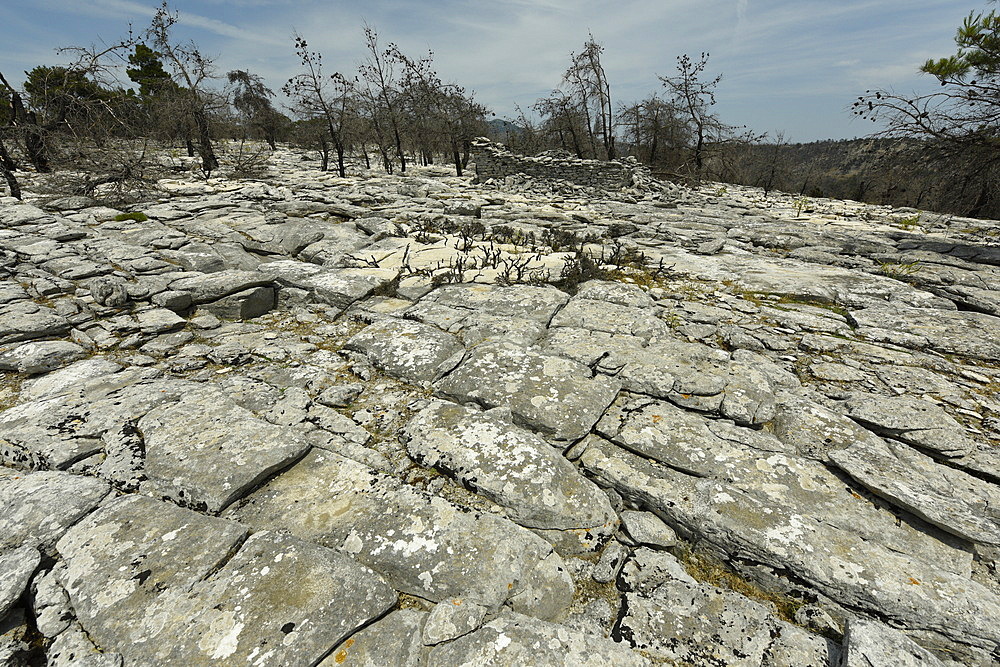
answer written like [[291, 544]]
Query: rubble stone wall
[[494, 161]]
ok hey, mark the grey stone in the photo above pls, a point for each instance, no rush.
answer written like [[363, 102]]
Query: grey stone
[[409, 351], [422, 545], [124, 457], [647, 528], [15, 638], [395, 640], [556, 396], [205, 451], [951, 332], [174, 300], [519, 640], [50, 603], [614, 292], [340, 396], [68, 378], [595, 315], [244, 305], [73, 648], [512, 467], [611, 561], [16, 569], [914, 421], [696, 623], [533, 303], [950, 499], [39, 507], [109, 291], [210, 287], [23, 321], [450, 619], [648, 569], [865, 575], [159, 320], [868, 643], [40, 356], [342, 287], [138, 562]]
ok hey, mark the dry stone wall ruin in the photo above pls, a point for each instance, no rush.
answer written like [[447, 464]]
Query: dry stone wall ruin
[[494, 161]]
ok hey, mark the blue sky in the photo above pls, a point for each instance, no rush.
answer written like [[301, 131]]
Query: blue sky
[[787, 65]]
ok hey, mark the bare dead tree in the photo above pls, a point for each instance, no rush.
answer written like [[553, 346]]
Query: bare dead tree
[[379, 73], [192, 70]]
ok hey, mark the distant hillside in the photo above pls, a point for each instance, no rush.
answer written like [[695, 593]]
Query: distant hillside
[[898, 172]]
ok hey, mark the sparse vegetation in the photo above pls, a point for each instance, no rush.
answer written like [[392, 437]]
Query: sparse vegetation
[[137, 216]]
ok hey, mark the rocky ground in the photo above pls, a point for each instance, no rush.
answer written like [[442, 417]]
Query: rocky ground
[[410, 420]]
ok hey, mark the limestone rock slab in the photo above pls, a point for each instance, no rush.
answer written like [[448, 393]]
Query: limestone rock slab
[[409, 351], [40, 357], [16, 568], [422, 545], [37, 508], [206, 451], [520, 640], [868, 643], [395, 640], [839, 563], [511, 466], [553, 395]]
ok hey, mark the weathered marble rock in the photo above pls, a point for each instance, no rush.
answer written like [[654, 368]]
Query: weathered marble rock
[[39, 507], [40, 356], [409, 351], [511, 466], [205, 451], [868, 643], [863, 574], [556, 396], [519, 640], [912, 420], [396, 639], [138, 563], [16, 569], [423, 545]]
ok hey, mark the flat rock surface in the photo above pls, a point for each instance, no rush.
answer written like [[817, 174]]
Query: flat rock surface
[[556, 396], [421, 419], [423, 545], [512, 466]]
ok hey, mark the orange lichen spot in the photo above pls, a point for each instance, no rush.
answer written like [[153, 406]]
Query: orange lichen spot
[[685, 395], [914, 581], [510, 586], [349, 643], [657, 419], [857, 495], [340, 656], [457, 603]]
